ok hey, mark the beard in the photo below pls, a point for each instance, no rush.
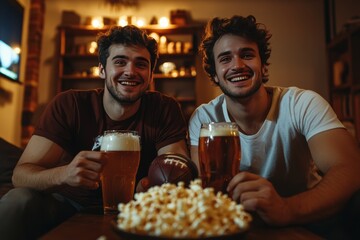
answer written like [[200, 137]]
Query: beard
[[119, 97], [232, 93]]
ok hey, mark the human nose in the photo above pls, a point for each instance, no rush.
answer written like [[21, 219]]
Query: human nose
[[238, 63], [129, 70]]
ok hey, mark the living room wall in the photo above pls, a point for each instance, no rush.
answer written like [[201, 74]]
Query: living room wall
[[298, 44], [298, 41]]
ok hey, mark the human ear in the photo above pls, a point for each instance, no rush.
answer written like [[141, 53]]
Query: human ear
[[264, 70], [101, 71], [151, 77]]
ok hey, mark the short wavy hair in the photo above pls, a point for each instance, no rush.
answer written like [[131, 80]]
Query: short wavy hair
[[128, 35], [246, 27]]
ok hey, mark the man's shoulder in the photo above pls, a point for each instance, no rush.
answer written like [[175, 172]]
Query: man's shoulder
[[214, 103], [81, 93], [72, 95], [211, 111], [155, 96], [292, 93]]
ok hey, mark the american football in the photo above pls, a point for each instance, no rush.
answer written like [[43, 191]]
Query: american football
[[171, 168]]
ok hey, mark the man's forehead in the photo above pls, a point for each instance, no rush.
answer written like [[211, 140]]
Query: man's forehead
[[131, 51], [229, 42]]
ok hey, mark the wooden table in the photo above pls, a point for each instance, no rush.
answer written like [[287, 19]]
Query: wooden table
[[93, 226]]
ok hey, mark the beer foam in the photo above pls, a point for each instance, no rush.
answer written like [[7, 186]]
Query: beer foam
[[219, 132], [120, 142]]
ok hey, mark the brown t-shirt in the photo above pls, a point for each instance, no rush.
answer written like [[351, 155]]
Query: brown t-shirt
[[75, 118]]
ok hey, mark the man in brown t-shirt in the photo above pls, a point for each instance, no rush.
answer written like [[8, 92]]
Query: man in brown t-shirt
[[59, 157]]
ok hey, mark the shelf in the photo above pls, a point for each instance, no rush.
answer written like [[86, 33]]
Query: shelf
[[171, 29], [185, 99], [163, 76], [177, 55], [356, 88], [341, 88], [162, 55], [344, 78], [81, 77], [75, 56], [77, 62]]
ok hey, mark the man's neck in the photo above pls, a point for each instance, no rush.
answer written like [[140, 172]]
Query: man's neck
[[249, 114], [118, 111]]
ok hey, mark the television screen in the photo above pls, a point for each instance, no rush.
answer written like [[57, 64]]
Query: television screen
[[11, 22]]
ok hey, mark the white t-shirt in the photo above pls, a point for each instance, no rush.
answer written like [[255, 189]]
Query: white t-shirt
[[278, 151]]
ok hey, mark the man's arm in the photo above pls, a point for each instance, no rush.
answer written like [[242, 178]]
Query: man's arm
[[195, 156], [336, 155], [179, 147], [41, 166]]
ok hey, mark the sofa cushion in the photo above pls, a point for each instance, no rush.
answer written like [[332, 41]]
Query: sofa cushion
[[9, 155]]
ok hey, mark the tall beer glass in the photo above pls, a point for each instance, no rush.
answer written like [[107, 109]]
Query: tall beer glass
[[119, 173], [219, 154]]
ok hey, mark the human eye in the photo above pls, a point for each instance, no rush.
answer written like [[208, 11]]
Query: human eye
[[120, 62], [142, 64], [224, 59], [247, 55]]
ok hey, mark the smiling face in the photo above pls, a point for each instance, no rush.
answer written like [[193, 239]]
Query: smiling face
[[127, 73], [238, 66]]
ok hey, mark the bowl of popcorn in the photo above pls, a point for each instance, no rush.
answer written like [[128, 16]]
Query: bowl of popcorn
[[174, 211]]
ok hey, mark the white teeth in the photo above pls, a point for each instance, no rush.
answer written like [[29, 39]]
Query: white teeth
[[236, 79], [128, 83]]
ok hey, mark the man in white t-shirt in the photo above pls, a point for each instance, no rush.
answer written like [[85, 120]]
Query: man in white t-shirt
[[298, 162]]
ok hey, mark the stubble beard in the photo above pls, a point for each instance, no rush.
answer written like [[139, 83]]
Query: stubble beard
[[122, 99], [227, 91]]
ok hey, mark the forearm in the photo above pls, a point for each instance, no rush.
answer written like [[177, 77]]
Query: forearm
[[336, 154], [326, 199], [36, 177]]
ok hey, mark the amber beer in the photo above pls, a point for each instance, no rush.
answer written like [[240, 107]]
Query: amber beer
[[119, 173], [219, 154]]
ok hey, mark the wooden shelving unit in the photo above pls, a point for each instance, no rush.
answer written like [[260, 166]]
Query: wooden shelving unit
[[344, 72], [77, 63]]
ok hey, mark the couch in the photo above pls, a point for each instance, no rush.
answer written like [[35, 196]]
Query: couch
[[9, 155]]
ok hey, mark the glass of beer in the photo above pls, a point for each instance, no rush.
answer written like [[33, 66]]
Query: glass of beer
[[119, 173], [219, 154]]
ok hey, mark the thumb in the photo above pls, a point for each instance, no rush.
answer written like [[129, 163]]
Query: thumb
[[143, 185]]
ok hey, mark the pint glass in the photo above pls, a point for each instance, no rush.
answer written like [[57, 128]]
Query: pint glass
[[219, 154], [119, 173]]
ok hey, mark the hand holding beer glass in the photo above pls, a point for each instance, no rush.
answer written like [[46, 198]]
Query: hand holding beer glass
[[119, 173], [219, 154]]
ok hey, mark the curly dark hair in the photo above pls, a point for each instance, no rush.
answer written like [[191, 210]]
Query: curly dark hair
[[128, 35], [246, 27]]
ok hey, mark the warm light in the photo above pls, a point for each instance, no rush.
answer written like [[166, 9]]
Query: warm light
[[17, 50], [175, 73], [140, 22], [94, 71], [164, 21], [123, 21], [97, 22], [182, 71], [92, 47], [167, 67], [155, 36], [171, 47], [193, 71], [163, 44], [163, 40]]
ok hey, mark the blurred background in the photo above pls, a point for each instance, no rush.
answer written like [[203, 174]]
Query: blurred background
[[302, 32]]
